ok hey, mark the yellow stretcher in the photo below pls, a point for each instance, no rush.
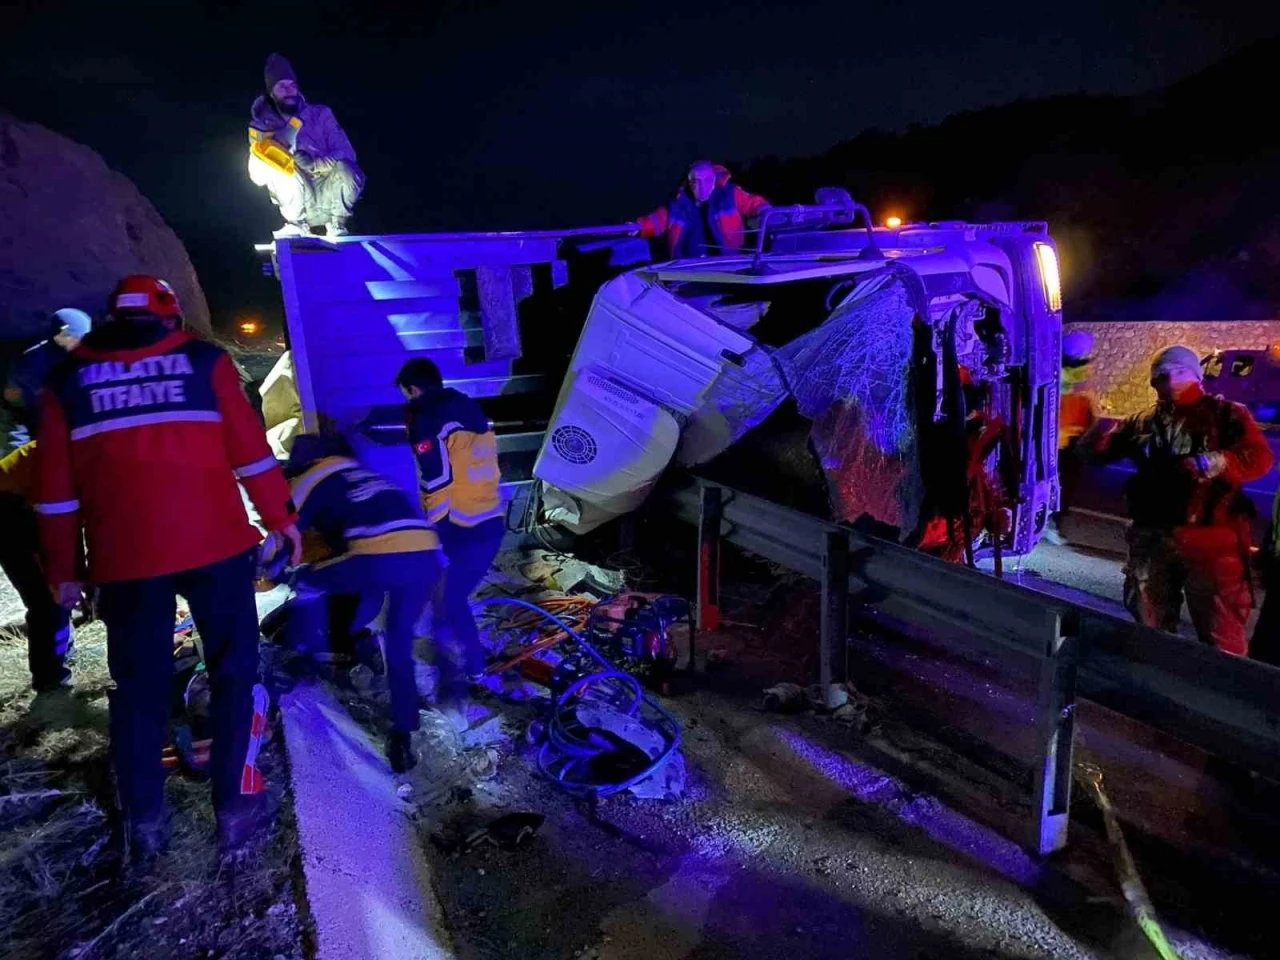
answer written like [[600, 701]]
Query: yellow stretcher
[[273, 152]]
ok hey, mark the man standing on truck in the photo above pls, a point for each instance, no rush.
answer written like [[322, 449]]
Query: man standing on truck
[[1191, 519], [143, 435], [457, 457], [301, 155], [706, 217]]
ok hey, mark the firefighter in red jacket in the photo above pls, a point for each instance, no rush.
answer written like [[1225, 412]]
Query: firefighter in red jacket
[[143, 435], [706, 217]]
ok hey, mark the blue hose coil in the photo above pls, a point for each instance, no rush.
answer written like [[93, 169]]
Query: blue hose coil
[[565, 748]]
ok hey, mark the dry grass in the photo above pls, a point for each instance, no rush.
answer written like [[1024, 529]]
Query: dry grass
[[63, 893], [13, 635]]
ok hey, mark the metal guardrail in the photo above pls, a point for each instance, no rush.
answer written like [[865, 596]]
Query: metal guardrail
[[1223, 704]]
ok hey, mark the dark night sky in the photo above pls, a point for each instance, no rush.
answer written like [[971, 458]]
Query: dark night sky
[[503, 115]]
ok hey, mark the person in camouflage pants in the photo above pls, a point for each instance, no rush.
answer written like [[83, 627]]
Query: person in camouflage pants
[[1190, 532], [1265, 645]]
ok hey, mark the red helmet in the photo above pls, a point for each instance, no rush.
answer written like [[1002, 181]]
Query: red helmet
[[142, 294]]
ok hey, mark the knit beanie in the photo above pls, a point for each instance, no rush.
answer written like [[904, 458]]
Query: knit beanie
[[277, 69]]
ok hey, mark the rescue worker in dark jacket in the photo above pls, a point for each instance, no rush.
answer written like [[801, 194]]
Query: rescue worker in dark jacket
[[457, 457], [706, 217], [325, 181], [32, 369], [381, 549], [48, 623], [143, 435], [1265, 644], [1191, 520]]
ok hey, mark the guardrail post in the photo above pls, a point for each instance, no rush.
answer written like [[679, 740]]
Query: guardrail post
[[833, 666], [1056, 731], [710, 512]]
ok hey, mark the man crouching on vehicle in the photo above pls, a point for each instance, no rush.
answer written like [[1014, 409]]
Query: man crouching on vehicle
[[322, 181], [382, 549]]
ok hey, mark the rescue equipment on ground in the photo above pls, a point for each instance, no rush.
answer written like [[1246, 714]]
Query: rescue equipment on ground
[[190, 709], [635, 630], [601, 734]]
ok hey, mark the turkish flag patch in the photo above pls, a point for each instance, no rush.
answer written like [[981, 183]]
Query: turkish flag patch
[[423, 447]]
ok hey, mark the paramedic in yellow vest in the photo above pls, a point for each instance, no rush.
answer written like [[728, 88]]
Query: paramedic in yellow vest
[[457, 456]]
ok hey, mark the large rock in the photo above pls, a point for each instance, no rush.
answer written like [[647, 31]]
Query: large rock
[[71, 227]]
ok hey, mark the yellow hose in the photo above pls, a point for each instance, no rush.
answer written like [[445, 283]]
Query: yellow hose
[[1135, 893]]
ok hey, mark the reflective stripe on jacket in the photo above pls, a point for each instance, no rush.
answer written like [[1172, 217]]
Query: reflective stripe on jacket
[[143, 448], [729, 206], [457, 456], [358, 511]]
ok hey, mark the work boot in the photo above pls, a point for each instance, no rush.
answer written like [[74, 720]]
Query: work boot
[[238, 826], [368, 650], [400, 751], [145, 840], [54, 684], [290, 230], [336, 228]]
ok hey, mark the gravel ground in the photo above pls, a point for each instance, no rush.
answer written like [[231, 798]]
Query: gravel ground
[[791, 838], [782, 844], [784, 841], [787, 838], [1093, 573]]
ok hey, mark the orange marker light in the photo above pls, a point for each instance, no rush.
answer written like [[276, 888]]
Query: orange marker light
[[250, 327], [893, 223]]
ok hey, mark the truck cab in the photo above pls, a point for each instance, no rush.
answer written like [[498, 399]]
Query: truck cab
[[904, 376]]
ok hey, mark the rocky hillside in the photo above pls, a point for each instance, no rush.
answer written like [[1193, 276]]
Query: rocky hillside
[[1167, 205], [71, 227]]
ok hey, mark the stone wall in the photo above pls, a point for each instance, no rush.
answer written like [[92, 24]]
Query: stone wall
[[1122, 354]]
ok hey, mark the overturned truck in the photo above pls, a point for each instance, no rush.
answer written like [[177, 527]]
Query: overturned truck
[[903, 377], [906, 378]]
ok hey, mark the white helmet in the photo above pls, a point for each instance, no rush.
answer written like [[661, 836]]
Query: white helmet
[[73, 322]]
